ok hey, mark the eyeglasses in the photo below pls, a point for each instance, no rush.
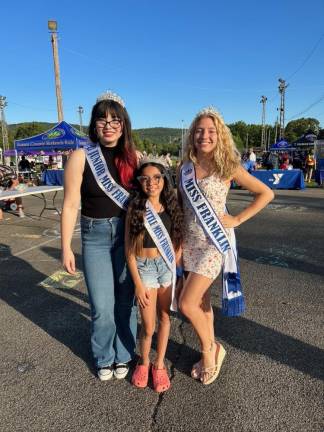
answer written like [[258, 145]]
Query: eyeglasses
[[154, 179], [114, 123]]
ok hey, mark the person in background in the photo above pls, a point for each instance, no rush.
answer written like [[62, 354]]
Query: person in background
[[24, 164], [252, 155], [310, 164], [111, 160], [284, 164], [15, 204]]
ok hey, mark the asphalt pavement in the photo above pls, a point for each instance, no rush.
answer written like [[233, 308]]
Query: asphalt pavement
[[272, 376]]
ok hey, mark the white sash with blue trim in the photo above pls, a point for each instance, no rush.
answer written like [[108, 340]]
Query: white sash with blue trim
[[120, 196], [161, 238], [103, 177], [233, 301]]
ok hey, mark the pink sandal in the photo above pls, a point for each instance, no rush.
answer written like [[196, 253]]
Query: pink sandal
[[140, 376], [161, 381]]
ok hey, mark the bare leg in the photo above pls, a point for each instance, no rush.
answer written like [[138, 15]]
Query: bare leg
[[148, 315], [163, 302], [191, 304], [208, 310]]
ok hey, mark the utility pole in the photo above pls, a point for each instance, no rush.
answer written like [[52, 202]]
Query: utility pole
[[3, 104], [247, 142], [80, 111], [263, 136], [269, 135], [182, 139], [276, 130], [282, 89], [52, 26]]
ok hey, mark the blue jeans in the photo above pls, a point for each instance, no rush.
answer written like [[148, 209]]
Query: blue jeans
[[111, 291]]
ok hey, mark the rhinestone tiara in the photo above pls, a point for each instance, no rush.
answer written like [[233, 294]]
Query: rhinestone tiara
[[109, 95], [207, 111], [146, 159]]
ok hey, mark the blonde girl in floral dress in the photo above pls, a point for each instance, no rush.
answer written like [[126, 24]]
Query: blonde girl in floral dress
[[216, 161]]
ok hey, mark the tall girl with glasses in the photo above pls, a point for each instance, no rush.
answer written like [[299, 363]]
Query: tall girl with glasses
[[109, 284], [151, 274]]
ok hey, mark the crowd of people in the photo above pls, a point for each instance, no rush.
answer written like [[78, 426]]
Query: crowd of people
[[146, 247], [283, 160]]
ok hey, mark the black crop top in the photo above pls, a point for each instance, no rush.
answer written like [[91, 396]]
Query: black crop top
[[148, 241], [94, 202]]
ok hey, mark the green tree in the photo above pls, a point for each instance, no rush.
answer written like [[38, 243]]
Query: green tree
[[28, 129], [296, 128]]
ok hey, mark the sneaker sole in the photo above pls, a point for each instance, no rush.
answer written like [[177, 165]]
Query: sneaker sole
[[121, 376], [105, 377]]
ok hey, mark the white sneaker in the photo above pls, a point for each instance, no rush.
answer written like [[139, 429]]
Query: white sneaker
[[121, 370], [105, 373]]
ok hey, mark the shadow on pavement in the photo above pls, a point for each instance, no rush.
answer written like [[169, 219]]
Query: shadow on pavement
[[274, 258], [67, 322], [61, 318]]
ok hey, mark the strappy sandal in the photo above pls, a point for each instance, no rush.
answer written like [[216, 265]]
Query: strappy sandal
[[196, 370], [161, 381], [140, 376], [212, 372]]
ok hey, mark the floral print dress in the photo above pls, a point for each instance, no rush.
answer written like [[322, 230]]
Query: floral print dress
[[199, 253]]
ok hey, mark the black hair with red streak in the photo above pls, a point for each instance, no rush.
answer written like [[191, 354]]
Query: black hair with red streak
[[125, 158]]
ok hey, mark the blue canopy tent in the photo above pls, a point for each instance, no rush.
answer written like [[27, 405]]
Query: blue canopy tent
[[307, 140], [61, 137], [281, 145]]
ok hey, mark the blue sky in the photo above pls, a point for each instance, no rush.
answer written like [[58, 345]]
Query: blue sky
[[167, 59]]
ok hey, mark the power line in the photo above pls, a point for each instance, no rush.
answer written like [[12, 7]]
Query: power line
[[303, 63], [307, 58], [309, 107]]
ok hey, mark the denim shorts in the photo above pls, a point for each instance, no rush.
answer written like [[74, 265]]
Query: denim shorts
[[154, 272]]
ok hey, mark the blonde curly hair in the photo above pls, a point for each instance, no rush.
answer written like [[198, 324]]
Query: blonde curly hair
[[226, 156]]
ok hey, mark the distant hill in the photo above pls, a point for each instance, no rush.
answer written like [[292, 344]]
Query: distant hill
[[158, 135]]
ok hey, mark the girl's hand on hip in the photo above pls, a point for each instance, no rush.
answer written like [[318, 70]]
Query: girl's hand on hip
[[229, 221], [143, 296], [68, 261]]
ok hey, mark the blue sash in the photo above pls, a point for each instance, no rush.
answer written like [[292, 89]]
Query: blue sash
[[233, 301]]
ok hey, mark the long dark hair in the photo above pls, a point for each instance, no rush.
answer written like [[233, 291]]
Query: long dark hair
[[136, 211], [125, 159]]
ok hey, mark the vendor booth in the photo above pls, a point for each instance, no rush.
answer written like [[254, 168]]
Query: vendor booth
[[281, 179], [61, 138], [306, 141], [282, 145], [319, 156]]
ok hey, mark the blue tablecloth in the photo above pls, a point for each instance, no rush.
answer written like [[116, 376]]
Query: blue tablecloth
[[53, 177], [281, 179], [319, 176]]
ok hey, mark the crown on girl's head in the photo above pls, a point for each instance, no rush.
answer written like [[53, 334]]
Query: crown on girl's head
[[109, 95], [146, 159], [207, 111]]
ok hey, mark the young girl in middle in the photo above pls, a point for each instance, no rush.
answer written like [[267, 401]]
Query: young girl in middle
[[151, 275]]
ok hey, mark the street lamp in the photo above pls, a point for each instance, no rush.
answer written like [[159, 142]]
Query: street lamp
[[80, 111], [52, 27], [3, 104], [182, 139]]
